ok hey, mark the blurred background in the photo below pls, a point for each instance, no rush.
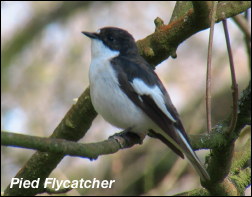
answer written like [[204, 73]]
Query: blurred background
[[44, 66]]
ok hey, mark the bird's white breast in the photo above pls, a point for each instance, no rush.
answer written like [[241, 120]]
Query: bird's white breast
[[107, 97]]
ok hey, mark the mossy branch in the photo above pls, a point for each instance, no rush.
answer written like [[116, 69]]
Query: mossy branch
[[65, 147], [184, 23], [154, 48], [72, 127]]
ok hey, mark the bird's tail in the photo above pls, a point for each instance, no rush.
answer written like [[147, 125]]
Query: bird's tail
[[180, 144], [192, 157]]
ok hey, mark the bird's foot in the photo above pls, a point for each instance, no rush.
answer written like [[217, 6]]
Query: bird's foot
[[127, 138]]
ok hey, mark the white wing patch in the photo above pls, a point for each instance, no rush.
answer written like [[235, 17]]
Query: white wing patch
[[141, 88]]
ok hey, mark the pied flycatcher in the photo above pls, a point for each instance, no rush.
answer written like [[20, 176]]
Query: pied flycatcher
[[126, 91]]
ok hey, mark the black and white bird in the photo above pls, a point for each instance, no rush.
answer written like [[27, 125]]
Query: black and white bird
[[127, 93]]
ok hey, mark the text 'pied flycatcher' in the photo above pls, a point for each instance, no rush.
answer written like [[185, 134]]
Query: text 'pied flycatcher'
[[127, 93]]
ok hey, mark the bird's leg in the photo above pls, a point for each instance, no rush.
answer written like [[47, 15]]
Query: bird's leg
[[127, 138]]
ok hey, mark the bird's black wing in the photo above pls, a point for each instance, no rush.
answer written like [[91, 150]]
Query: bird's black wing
[[167, 119]]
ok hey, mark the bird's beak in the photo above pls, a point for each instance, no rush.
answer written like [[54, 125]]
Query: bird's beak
[[91, 35]]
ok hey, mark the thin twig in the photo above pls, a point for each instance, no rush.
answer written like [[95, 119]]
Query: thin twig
[[234, 83], [248, 42], [209, 65], [242, 22]]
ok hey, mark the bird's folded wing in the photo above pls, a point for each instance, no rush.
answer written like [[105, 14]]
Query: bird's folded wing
[[151, 101]]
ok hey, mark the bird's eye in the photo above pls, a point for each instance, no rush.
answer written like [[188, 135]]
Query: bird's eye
[[111, 39]]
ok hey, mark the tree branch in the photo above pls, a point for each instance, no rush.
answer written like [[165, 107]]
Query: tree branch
[[72, 127], [154, 48], [64, 147], [211, 16], [241, 159], [163, 43], [233, 77], [241, 21], [219, 163]]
